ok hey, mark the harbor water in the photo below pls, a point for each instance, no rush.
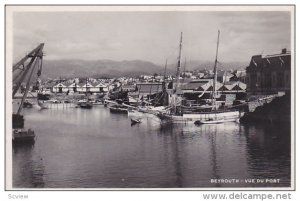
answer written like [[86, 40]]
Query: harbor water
[[93, 148]]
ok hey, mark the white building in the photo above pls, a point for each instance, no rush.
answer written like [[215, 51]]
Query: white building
[[80, 88], [60, 88]]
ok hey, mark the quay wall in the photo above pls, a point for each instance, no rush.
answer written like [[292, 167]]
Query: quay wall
[[271, 110]]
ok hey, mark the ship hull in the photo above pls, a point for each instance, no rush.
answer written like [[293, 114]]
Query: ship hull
[[23, 136], [225, 116], [118, 110], [50, 105]]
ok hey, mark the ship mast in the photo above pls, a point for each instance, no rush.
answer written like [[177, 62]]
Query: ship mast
[[213, 98], [178, 63], [86, 87], [184, 65], [164, 81], [165, 70]]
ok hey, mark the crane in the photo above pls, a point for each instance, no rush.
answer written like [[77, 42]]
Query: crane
[[23, 72]]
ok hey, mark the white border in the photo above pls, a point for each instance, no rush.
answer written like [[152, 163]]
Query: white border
[[10, 10]]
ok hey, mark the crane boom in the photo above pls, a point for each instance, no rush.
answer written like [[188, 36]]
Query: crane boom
[[35, 57], [29, 55]]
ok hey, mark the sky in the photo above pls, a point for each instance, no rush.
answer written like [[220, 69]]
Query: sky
[[151, 36]]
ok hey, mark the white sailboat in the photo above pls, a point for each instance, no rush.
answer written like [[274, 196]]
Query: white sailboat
[[215, 115]]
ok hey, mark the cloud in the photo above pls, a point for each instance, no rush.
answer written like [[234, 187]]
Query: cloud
[[151, 36]]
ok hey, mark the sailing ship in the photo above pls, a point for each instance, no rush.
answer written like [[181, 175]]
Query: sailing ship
[[210, 114]]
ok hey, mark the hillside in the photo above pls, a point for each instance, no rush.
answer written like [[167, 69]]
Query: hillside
[[83, 68], [109, 68]]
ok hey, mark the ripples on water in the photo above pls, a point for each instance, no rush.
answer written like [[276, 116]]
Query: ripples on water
[[78, 148]]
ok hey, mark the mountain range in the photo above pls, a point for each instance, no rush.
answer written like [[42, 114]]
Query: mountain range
[[110, 68]]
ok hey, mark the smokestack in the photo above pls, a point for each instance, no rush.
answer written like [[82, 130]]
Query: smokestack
[[283, 51]]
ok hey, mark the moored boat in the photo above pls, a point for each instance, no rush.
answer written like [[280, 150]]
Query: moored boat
[[85, 105], [215, 114], [42, 105], [43, 96], [118, 109], [97, 102], [233, 116], [55, 104], [209, 121], [27, 104], [22, 135], [135, 121]]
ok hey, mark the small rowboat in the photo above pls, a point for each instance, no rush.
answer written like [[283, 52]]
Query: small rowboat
[[135, 121], [215, 121]]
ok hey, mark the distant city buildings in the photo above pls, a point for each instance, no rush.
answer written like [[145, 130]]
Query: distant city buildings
[[145, 89], [269, 74], [80, 88], [192, 85], [202, 89], [74, 85]]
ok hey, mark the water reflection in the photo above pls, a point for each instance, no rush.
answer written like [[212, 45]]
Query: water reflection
[[31, 170], [215, 174], [268, 148], [97, 149]]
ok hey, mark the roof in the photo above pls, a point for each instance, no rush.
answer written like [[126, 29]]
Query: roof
[[194, 85], [230, 83], [149, 83], [60, 84], [100, 84], [69, 84], [224, 88], [236, 88], [274, 61], [208, 86], [149, 87], [49, 84], [128, 87]]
